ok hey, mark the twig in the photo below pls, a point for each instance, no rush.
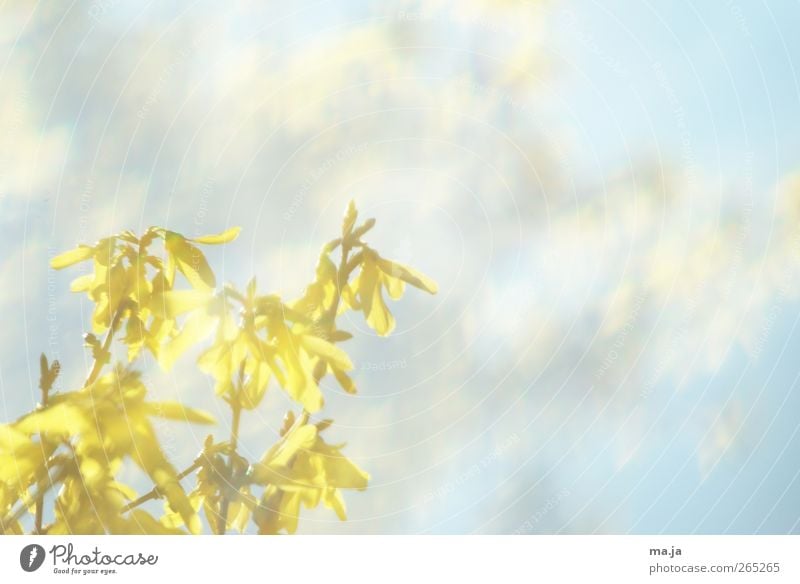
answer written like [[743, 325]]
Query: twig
[[47, 383], [101, 358], [154, 493], [48, 374], [41, 488], [236, 410]]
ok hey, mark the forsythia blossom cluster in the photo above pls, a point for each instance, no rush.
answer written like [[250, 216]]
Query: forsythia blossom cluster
[[81, 439]]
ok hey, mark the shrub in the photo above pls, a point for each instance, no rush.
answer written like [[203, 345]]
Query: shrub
[[164, 303]]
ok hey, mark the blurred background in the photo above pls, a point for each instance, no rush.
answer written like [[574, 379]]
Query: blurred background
[[603, 190]]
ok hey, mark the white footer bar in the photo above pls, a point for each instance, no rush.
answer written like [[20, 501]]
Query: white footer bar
[[406, 559]]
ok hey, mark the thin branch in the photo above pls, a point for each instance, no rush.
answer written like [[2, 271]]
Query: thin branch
[[154, 493], [101, 359], [46, 384], [48, 377], [41, 488], [236, 410]]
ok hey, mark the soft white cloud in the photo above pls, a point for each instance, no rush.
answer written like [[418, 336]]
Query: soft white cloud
[[571, 310]]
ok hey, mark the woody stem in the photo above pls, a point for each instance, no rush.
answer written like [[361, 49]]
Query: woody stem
[[154, 493], [341, 280], [236, 411], [41, 487], [100, 359], [39, 518]]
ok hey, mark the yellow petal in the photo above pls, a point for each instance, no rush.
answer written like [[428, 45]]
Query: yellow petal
[[189, 260], [79, 254], [11, 439], [92, 472], [176, 302], [82, 283], [345, 381], [340, 471], [134, 336], [273, 467], [350, 217], [367, 282], [256, 384], [196, 328], [290, 511], [333, 500], [149, 456], [240, 521], [177, 411], [394, 286], [193, 265], [126, 491], [226, 236], [380, 318], [61, 420], [410, 275], [327, 351]]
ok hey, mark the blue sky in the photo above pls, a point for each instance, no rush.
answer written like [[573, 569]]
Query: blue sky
[[605, 193]]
